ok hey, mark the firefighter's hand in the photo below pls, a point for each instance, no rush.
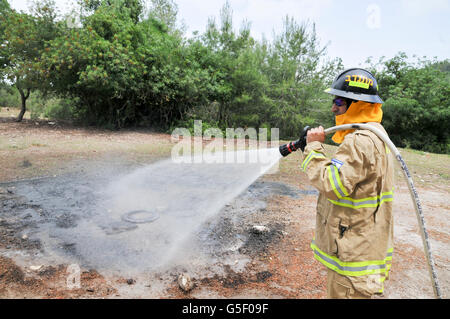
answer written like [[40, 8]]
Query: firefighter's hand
[[316, 134]]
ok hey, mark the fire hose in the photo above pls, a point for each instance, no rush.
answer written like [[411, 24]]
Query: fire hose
[[286, 149]]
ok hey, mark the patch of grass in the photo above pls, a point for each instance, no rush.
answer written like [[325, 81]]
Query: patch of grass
[[54, 147], [16, 147], [12, 112], [38, 144], [154, 149], [415, 151], [19, 143], [444, 175], [427, 168]]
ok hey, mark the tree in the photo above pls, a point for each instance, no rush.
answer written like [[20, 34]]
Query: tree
[[124, 72], [417, 100], [165, 11], [261, 84], [134, 7], [25, 37], [4, 13], [97, 63], [298, 74], [4, 5], [21, 50]]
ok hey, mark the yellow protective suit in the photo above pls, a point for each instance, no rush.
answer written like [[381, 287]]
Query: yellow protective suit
[[354, 221]]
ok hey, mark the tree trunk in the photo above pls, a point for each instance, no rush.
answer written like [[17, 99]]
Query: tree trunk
[[24, 98]]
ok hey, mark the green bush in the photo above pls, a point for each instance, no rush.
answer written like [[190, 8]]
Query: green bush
[[60, 109], [410, 125], [9, 97], [417, 103], [51, 107]]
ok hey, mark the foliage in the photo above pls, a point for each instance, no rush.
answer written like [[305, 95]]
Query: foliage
[[23, 42], [417, 102], [124, 66], [123, 72], [4, 12], [298, 75], [50, 107], [9, 97], [261, 84], [165, 11], [134, 8]]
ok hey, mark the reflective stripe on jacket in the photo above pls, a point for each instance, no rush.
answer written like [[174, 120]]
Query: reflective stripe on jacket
[[354, 222]]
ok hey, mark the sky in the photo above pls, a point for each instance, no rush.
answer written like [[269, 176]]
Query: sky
[[352, 30]]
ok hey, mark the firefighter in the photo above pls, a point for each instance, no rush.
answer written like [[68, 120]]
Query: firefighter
[[353, 236]]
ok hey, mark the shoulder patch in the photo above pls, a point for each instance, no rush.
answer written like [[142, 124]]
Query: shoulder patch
[[337, 163]]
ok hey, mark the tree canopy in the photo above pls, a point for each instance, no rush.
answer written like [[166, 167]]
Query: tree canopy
[[24, 39], [124, 65], [417, 102]]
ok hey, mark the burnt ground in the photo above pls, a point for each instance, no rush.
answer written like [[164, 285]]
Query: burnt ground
[[226, 258], [229, 253]]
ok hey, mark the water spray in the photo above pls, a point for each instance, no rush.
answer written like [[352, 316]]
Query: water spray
[[288, 148]]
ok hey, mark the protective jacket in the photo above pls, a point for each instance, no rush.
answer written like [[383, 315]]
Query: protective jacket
[[354, 221]]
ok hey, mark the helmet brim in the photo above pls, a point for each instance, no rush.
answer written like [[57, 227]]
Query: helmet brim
[[355, 96]]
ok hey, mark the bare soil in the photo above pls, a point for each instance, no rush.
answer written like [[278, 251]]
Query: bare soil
[[248, 264]]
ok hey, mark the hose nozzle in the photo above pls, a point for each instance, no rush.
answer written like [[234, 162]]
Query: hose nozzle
[[290, 147]]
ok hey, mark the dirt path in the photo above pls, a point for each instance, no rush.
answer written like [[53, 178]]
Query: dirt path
[[228, 258]]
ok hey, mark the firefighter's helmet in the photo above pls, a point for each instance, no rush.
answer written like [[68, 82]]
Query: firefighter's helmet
[[356, 84]]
